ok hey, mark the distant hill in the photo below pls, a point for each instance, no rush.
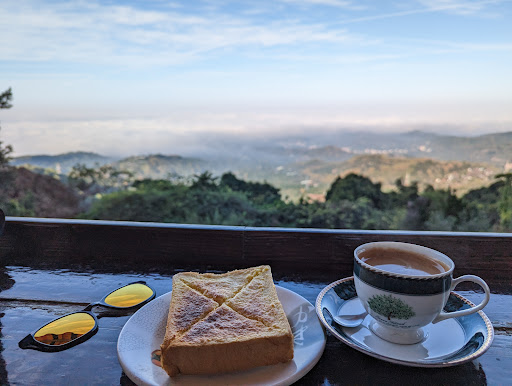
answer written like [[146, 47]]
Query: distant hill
[[490, 148], [62, 163], [161, 166], [286, 154], [44, 195], [300, 165], [461, 176]]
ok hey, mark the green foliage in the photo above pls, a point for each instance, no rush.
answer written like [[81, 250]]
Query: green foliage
[[345, 214], [22, 207], [5, 152], [232, 201], [433, 209], [475, 218], [505, 202], [164, 202], [480, 212], [5, 98], [390, 307], [204, 181], [148, 184], [255, 191], [353, 187], [444, 201], [141, 205], [485, 196], [404, 193], [90, 181]]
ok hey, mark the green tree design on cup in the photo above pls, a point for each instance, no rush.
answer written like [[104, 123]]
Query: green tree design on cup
[[390, 307]]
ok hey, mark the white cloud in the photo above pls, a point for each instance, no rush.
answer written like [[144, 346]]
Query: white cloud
[[461, 7], [332, 3], [122, 35], [191, 132]]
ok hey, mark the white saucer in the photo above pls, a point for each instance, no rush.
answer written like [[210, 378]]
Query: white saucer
[[447, 343], [144, 332]]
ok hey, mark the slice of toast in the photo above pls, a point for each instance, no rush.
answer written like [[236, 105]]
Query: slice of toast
[[225, 322]]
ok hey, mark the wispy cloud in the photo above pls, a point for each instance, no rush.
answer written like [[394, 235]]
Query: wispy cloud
[[331, 3], [461, 7], [430, 6], [445, 46], [90, 33]]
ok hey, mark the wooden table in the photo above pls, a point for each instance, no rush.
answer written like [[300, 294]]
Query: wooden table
[[52, 267]]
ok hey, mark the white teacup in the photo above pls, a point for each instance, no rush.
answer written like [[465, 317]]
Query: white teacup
[[404, 287]]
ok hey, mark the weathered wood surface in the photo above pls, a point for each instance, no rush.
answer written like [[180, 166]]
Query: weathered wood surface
[[52, 267], [322, 253]]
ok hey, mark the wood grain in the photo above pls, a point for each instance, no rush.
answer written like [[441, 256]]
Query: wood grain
[[323, 254]]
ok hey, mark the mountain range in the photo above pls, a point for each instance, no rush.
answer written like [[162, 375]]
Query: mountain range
[[307, 164]]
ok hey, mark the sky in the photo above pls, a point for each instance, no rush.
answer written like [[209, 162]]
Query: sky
[[153, 76]]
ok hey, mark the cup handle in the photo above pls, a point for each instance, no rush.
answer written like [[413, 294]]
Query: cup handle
[[474, 279]]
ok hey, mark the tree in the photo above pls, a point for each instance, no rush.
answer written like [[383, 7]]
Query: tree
[[6, 173], [98, 180], [5, 98], [4, 154], [406, 193], [481, 211], [260, 193], [505, 201], [390, 307], [204, 181], [354, 186]]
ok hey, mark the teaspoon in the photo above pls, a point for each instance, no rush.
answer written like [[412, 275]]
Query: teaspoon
[[353, 320]]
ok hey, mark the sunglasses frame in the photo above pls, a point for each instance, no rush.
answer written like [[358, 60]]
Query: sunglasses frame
[[29, 342]]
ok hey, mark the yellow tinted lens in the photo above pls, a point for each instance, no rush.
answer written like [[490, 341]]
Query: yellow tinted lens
[[66, 329], [129, 296]]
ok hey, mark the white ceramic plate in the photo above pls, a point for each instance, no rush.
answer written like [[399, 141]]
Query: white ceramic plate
[[144, 332]]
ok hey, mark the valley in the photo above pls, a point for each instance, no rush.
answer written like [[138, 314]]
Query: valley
[[305, 166]]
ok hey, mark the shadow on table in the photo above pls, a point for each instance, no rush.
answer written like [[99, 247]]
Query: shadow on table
[[354, 367]]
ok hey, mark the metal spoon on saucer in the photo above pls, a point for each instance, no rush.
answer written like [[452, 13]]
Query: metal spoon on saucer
[[353, 320]]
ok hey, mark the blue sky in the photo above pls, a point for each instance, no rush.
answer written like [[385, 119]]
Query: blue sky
[[160, 69]]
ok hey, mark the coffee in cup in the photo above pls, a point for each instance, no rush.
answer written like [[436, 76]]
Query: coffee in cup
[[396, 260], [404, 287]]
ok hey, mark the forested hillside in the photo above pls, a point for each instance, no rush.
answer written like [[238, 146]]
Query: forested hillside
[[351, 202]]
